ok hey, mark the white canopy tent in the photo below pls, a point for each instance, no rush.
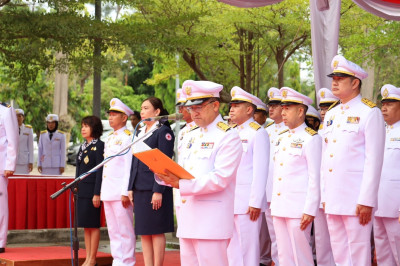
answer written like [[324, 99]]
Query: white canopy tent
[[325, 21]]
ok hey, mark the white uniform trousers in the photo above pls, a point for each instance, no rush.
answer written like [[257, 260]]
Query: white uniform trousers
[[265, 242], [3, 211], [50, 170], [21, 169], [244, 247], [293, 244], [322, 240], [350, 241], [203, 252], [387, 238], [121, 233], [272, 236]]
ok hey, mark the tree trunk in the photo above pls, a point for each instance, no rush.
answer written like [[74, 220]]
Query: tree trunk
[[191, 60], [249, 60], [97, 66], [241, 59], [280, 62]]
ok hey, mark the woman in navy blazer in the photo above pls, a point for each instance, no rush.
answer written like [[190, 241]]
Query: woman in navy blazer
[[153, 203], [90, 154]]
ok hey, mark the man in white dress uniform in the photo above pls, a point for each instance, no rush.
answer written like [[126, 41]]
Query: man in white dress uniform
[[296, 191], [8, 159], [206, 215], [25, 146], [386, 226], [273, 130], [114, 188], [251, 180], [322, 239], [51, 156], [353, 139]]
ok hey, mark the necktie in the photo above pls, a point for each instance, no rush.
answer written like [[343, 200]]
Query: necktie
[[51, 135]]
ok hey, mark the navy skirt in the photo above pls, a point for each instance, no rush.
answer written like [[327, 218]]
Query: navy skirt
[[149, 221], [88, 215]]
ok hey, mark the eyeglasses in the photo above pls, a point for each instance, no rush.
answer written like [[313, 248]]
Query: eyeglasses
[[197, 108]]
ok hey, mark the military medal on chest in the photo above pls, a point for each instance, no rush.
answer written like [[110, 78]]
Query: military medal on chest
[[86, 160]]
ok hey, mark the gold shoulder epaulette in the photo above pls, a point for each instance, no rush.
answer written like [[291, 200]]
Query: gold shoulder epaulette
[[193, 128], [255, 126], [43, 131], [333, 105], [28, 126], [269, 124], [5, 104], [368, 103], [311, 131], [62, 132], [223, 126], [286, 130], [321, 126], [111, 133], [233, 125], [127, 132]]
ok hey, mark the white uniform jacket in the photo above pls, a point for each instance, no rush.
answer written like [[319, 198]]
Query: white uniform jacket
[[252, 174], [297, 164], [389, 187], [273, 130], [354, 139], [25, 147], [8, 139], [117, 171], [207, 200], [51, 152]]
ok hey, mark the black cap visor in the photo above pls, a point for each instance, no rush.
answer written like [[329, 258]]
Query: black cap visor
[[196, 101]]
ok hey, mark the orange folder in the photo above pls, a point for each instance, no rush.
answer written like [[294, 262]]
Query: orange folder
[[158, 162]]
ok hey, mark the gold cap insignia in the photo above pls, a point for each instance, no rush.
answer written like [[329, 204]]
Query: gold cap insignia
[[178, 95], [50, 119], [233, 93], [385, 93], [335, 64], [112, 103], [284, 93], [322, 94], [188, 90], [271, 94]]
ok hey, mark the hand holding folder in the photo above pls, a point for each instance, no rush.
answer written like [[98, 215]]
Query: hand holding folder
[[160, 163]]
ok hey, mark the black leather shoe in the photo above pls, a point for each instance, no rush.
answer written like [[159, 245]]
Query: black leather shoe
[[2, 250]]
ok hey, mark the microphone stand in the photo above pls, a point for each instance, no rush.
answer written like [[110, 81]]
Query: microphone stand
[[73, 186]]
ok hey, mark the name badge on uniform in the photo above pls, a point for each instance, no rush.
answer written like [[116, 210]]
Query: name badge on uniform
[[353, 120], [298, 141], [296, 145], [57, 139], [207, 145], [26, 134], [394, 139], [244, 141]]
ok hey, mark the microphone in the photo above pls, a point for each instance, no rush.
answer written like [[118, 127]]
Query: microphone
[[164, 118]]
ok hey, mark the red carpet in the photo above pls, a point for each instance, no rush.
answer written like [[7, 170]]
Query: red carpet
[[60, 256]]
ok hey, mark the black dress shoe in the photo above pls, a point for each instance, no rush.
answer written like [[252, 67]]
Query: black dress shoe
[[2, 250]]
